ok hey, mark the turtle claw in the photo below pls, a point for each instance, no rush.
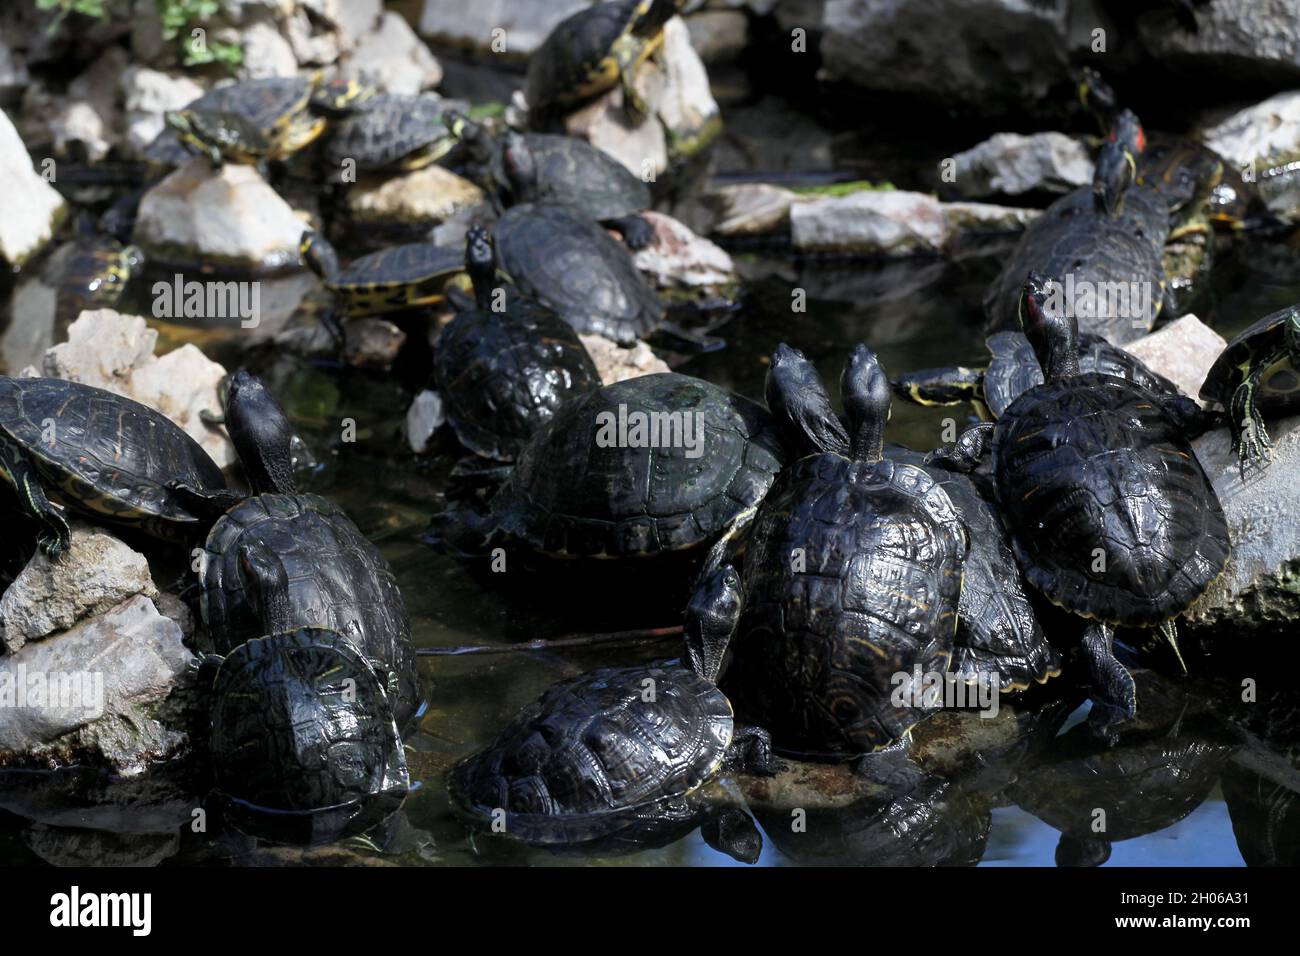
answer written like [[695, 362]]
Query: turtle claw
[[1254, 447]]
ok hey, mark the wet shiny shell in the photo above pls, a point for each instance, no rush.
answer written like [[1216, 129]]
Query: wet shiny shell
[[572, 265], [1111, 515], [106, 454], [397, 278], [594, 745], [393, 131], [504, 374], [572, 495], [337, 580], [300, 722], [573, 171], [852, 576], [1281, 385]]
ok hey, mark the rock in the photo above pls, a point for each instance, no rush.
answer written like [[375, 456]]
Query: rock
[[97, 573], [1259, 39], [33, 209], [718, 36], [266, 53], [751, 209], [77, 130], [642, 148], [1010, 164], [227, 217], [393, 59], [869, 222], [24, 341], [372, 341], [312, 47], [113, 351], [351, 19], [1261, 139], [679, 259], [13, 73], [425, 416], [525, 23], [1181, 351], [94, 692], [987, 53], [148, 94], [423, 198], [1260, 590], [615, 363]]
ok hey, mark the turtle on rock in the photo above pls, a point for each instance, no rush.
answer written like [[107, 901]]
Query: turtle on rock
[[1110, 514]]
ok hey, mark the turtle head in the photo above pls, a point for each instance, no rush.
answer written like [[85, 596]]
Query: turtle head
[[711, 619], [1116, 168], [1097, 96], [340, 96], [318, 255], [520, 165], [1128, 132], [1051, 330], [262, 434], [798, 400], [864, 387], [480, 263]]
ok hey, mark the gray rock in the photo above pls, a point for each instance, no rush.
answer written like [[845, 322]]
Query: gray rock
[[266, 53], [751, 209], [23, 343], [615, 363], [148, 94], [1010, 164], [719, 36], [431, 195], [372, 341], [1181, 351], [525, 22], [1259, 38], [97, 573], [978, 218], [33, 209], [869, 222], [94, 692], [679, 259], [393, 59], [425, 416], [13, 73], [1262, 140]]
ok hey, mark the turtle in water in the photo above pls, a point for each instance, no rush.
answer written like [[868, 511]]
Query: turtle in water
[[649, 466], [89, 272], [394, 132], [1013, 369], [1110, 514], [504, 372], [852, 579], [337, 579], [591, 52], [103, 454], [1257, 372], [617, 744], [544, 168]]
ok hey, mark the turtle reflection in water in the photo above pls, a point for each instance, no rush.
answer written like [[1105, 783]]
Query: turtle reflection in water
[[1262, 785]]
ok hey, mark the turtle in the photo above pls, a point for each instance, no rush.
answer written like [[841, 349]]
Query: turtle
[[303, 742], [1116, 168], [504, 372], [559, 257], [393, 132], [90, 272], [542, 167], [1257, 372], [1014, 369], [617, 743], [103, 454], [591, 52], [852, 579], [1110, 513], [337, 579]]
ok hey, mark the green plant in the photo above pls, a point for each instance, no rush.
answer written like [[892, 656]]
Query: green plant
[[89, 8], [181, 17], [845, 189]]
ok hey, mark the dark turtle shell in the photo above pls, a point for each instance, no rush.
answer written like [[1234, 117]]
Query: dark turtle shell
[[1076, 246], [564, 260], [573, 172], [337, 580], [107, 455], [504, 374], [1263, 342], [276, 108], [90, 272], [393, 131], [852, 576], [582, 489], [304, 747], [1111, 514], [399, 277], [593, 748], [1182, 171]]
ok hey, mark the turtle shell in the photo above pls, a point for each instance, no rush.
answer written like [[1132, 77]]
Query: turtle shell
[[852, 576], [1182, 171], [564, 260], [302, 733], [594, 747], [88, 273], [649, 465], [1074, 245], [107, 455], [275, 107], [337, 580], [503, 374], [1263, 340], [396, 278], [393, 131], [571, 171], [1111, 515]]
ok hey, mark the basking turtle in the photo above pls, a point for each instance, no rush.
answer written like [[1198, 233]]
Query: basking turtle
[[103, 454], [591, 52], [393, 132], [504, 372], [543, 168], [90, 272], [303, 743], [1258, 371], [596, 750], [337, 579], [562, 259], [852, 578], [1116, 168], [1111, 515], [651, 465], [1014, 370]]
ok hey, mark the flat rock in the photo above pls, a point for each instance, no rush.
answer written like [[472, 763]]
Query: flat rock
[[870, 222], [431, 195], [33, 209], [751, 209], [227, 217], [1261, 138], [976, 218], [393, 59], [616, 363], [1181, 351], [1009, 164], [679, 259]]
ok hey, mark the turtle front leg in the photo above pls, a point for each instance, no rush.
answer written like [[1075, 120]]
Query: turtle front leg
[[1249, 435], [1113, 684], [751, 752], [967, 452], [55, 537], [204, 503], [635, 230]]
